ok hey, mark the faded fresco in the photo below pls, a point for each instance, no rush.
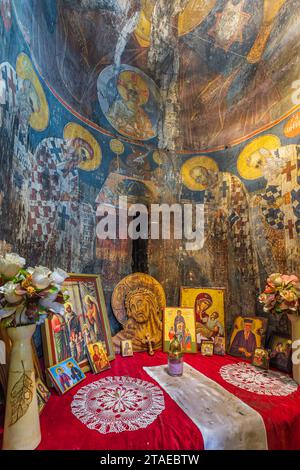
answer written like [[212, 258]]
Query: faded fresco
[[189, 101]]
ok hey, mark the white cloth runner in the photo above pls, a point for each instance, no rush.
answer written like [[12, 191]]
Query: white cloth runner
[[225, 422]]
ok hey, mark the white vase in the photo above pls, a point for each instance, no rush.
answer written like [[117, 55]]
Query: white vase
[[295, 321], [22, 423]]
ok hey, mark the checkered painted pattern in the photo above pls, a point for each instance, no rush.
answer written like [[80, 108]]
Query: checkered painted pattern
[[53, 192]]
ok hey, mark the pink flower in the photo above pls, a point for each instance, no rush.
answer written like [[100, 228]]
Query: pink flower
[[290, 279], [269, 301]]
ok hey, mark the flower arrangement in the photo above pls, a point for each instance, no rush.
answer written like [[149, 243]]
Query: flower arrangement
[[29, 295], [282, 293]]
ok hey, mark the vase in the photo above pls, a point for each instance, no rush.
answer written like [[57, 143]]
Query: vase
[[22, 423], [295, 321]]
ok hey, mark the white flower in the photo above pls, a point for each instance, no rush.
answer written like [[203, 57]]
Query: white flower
[[50, 297], [58, 276], [41, 277], [7, 312], [55, 307], [9, 291], [11, 264]]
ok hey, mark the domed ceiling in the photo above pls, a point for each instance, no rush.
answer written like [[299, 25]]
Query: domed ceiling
[[237, 74]]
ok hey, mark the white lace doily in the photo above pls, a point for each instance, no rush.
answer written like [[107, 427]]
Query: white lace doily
[[257, 380], [116, 404]]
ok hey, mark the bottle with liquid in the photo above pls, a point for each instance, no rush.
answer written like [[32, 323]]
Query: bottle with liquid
[[175, 358]]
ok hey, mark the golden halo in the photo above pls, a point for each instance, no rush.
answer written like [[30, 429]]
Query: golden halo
[[258, 149], [68, 304], [90, 297], [129, 80], [39, 119], [191, 164], [77, 133], [132, 282], [193, 14], [116, 146]]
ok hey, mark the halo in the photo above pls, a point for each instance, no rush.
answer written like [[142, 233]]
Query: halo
[[39, 119], [263, 143], [129, 283], [68, 304], [131, 80], [204, 162], [90, 297], [74, 131], [116, 146], [192, 15]]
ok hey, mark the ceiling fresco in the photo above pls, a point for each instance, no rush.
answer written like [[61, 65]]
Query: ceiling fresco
[[238, 65]]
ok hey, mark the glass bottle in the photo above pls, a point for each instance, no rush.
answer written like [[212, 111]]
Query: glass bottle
[[175, 358]]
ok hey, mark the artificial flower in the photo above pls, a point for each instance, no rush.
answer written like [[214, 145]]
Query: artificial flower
[[290, 279], [27, 282], [29, 295], [288, 295], [31, 291], [7, 312], [275, 279], [269, 289], [51, 306], [49, 296], [10, 295], [41, 277], [58, 276], [281, 293], [11, 264]]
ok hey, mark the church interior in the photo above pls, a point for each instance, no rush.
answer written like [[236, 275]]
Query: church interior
[[149, 225]]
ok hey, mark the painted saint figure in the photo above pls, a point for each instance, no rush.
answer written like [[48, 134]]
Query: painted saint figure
[[99, 358], [64, 379], [244, 342], [214, 325], [92, 318], [179, 326], [76, 373], [61, 339]]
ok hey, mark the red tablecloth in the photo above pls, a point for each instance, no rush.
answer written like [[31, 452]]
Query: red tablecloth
[[172, 430]]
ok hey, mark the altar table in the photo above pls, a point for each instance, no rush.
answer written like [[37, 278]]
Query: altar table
[[172, 429]]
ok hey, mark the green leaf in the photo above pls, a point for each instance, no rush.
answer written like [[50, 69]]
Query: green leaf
[[21, 396]]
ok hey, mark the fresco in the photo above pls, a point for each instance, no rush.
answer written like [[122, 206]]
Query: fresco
[[78, 130], [228, 51], [130, 101]]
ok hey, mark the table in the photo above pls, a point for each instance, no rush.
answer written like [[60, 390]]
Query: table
[[172, 430]]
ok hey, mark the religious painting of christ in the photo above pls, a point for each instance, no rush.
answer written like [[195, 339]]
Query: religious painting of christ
[[179, 322], [208, 304], [248, 334], [85, 322]]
